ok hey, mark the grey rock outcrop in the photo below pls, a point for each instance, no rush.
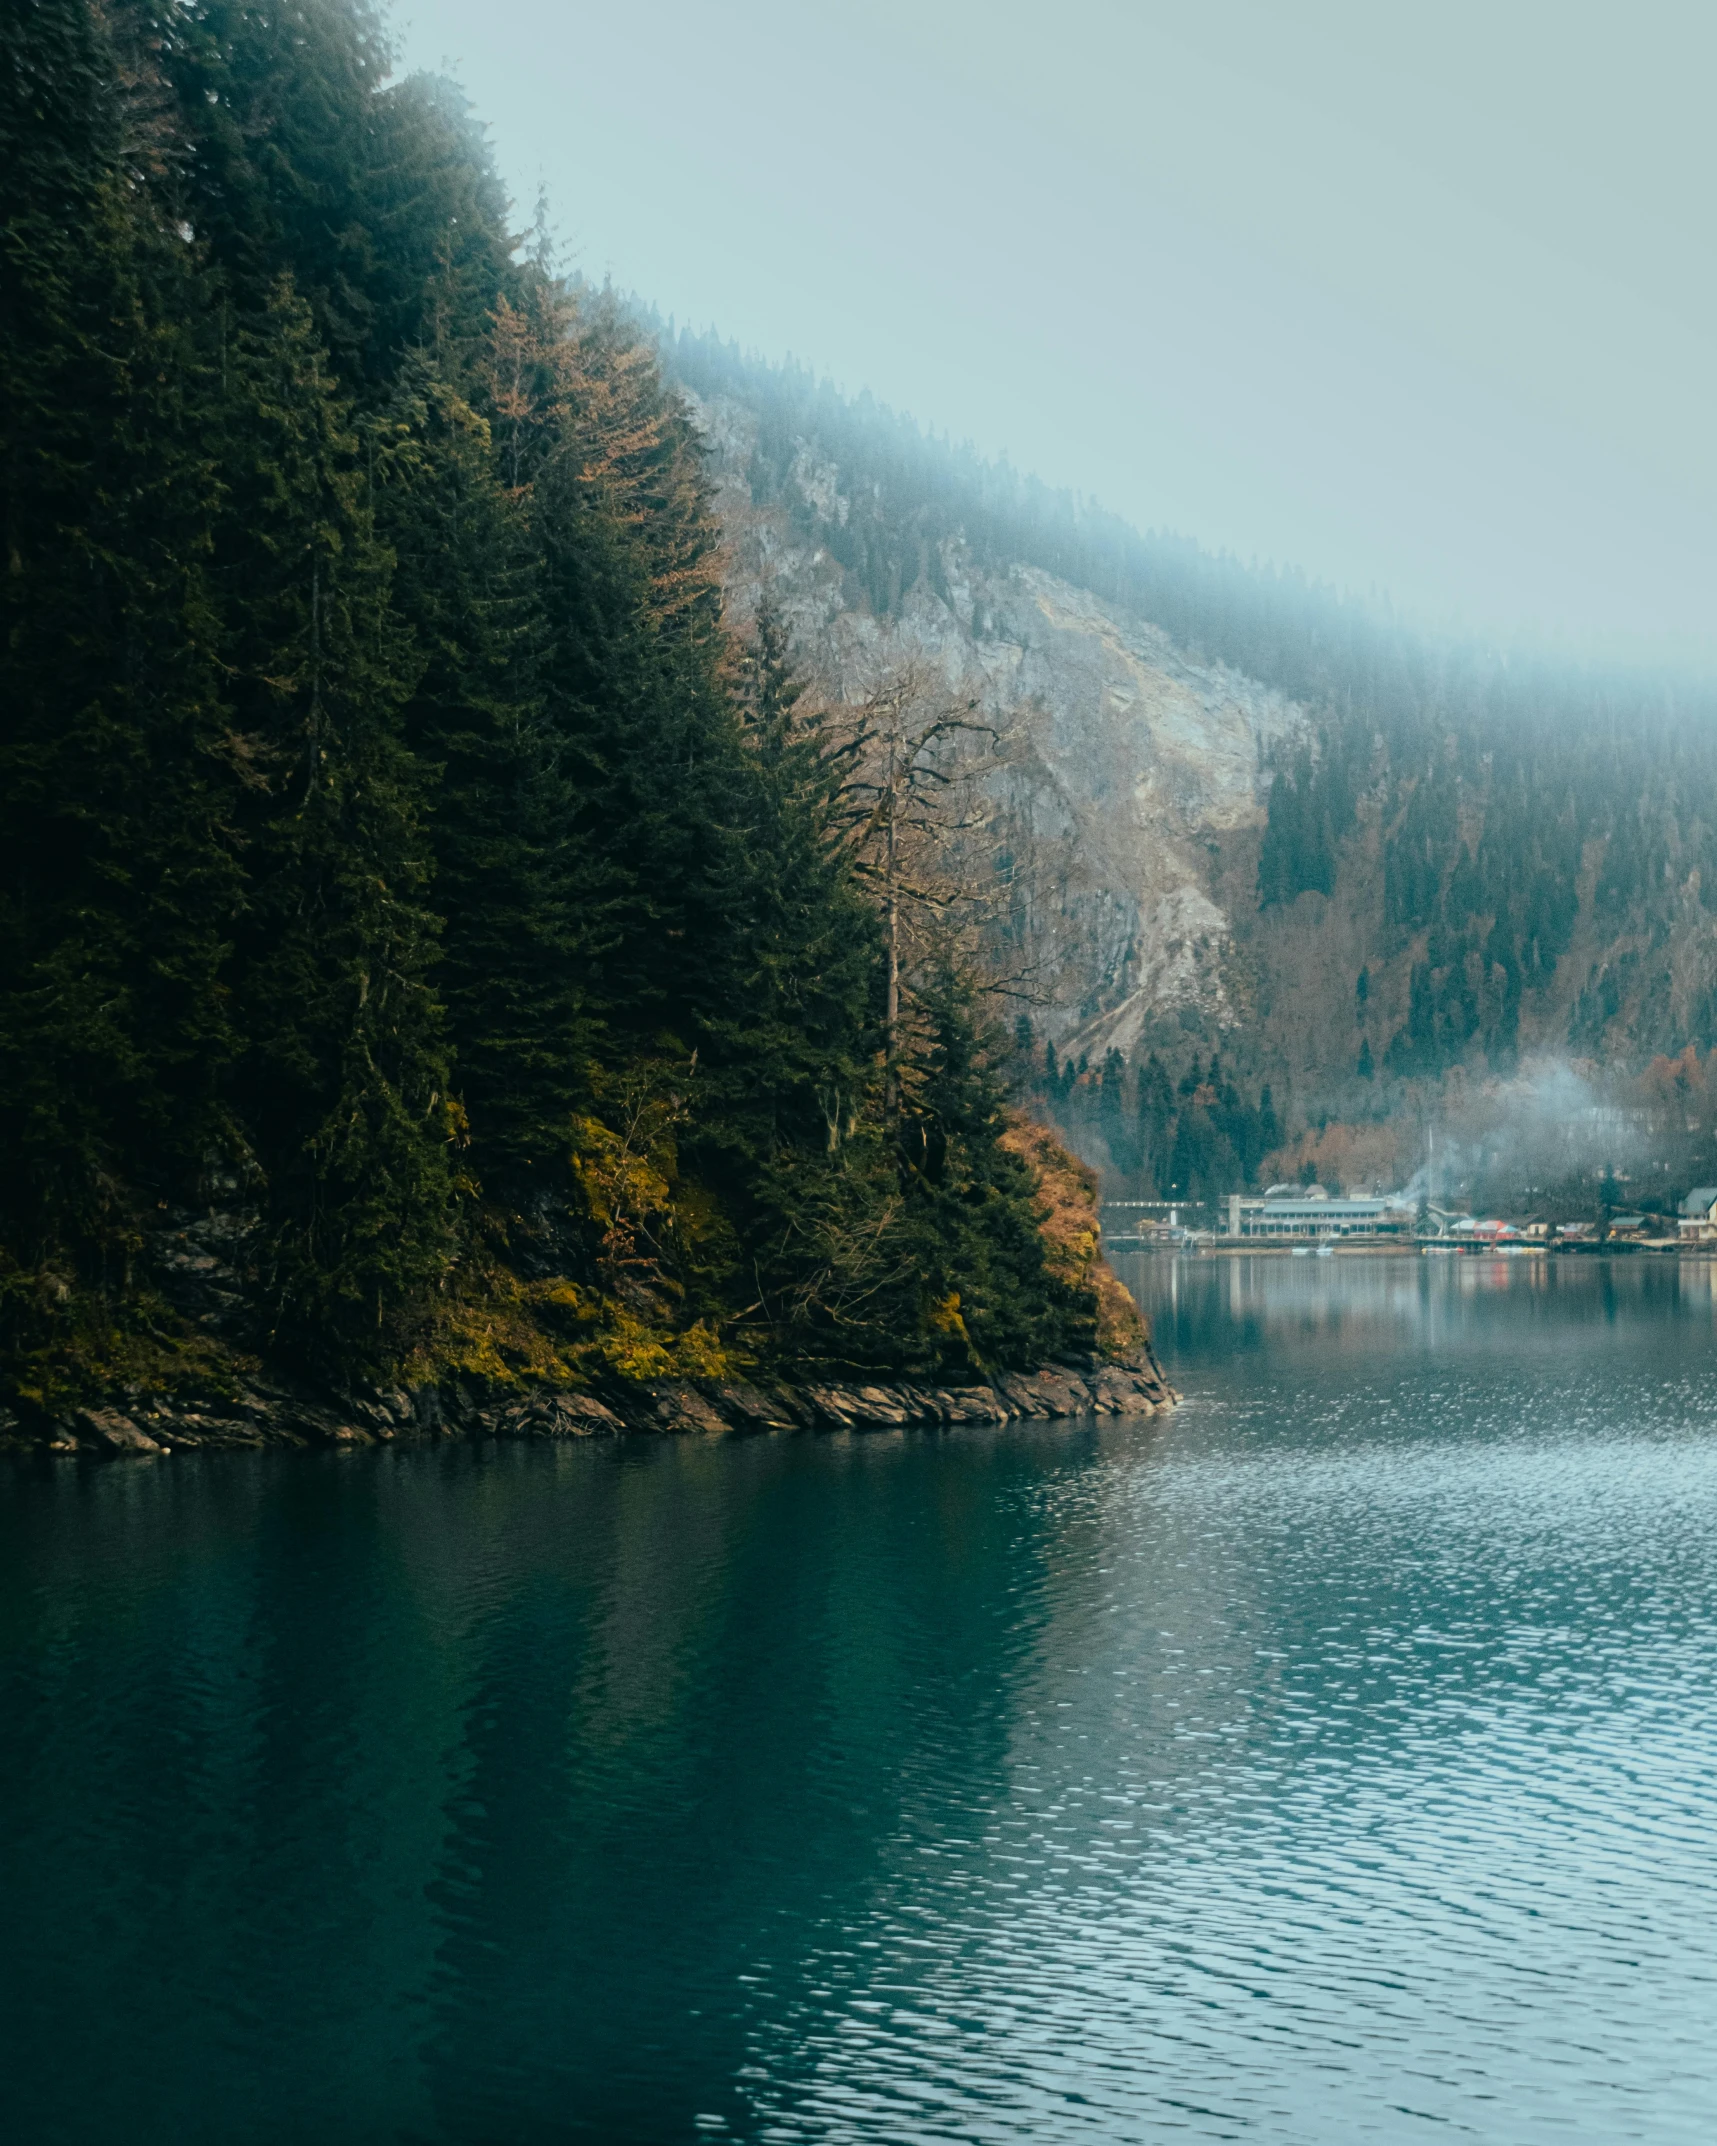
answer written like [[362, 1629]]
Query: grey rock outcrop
[[113, 1434], [1047, 1393], [1138, 770], [261, 1413], [673, 1405], [552, 1414], [748, 1408]]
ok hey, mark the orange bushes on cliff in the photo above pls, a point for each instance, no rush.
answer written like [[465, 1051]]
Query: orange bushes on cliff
[[1066, 1206]]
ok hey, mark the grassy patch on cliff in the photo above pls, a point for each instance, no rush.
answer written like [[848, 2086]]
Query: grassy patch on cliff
[[1067, 1207]]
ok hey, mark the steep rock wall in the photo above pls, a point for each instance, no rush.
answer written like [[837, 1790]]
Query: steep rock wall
[[1472, 916], [1144, 788]]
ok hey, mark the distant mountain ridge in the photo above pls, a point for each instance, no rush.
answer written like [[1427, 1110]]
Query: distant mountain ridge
[[1283, 824]]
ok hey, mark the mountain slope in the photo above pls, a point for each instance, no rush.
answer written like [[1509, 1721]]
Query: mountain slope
[[1142, 764], [1266, 820]]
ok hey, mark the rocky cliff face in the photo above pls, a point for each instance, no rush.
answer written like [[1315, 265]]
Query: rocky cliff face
[[1472, 861], [1143, 787]]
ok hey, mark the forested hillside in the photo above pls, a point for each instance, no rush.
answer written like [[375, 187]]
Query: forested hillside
[[429, 941], [1456, 858]]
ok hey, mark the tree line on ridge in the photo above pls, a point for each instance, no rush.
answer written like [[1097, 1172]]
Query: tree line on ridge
[[399, 849]]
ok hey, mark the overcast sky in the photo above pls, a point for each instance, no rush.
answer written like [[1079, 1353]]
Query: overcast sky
[[1420, 299]]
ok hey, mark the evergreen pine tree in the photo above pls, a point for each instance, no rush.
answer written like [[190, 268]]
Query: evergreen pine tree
[[509, 880], [115, 778], [1156, 1126], [391, 828], [344, 1089]]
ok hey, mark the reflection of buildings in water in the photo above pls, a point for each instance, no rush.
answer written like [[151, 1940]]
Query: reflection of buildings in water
[[1365, 1303], [1697, 1281], [1477, 1273]]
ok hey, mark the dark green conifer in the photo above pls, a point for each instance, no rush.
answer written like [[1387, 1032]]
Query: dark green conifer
[[390, 825], [344, 1087], [120, 881], [509, 880]]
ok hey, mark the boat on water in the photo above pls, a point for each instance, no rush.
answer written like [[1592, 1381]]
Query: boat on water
[[1302, 1251], [1326, 1251]]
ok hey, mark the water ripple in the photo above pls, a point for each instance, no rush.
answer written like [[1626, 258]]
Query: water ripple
[[1332, 1762]]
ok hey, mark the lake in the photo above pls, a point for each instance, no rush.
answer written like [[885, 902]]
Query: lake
[[1333, 1760]]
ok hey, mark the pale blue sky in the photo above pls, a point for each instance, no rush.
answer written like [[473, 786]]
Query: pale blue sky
[[1420, 299]]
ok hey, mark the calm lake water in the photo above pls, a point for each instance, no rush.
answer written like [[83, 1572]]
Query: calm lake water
[[1334, 1760]]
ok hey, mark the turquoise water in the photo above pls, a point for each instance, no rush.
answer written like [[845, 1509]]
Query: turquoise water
[[1334, 1760]]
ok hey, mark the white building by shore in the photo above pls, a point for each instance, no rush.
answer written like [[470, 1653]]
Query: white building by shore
[[1697, 1222], [1288, 1211]]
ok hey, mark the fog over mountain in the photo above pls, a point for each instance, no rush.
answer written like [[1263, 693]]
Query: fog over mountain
[[1349, 856], [1309, 444], [1409, 304]]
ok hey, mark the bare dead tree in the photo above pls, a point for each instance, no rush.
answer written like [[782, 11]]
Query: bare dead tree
[[918, 799]]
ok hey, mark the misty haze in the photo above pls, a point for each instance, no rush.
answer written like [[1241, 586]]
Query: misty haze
[[858, 1029]]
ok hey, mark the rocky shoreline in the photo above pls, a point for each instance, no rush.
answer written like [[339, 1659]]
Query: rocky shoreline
[[264, 1412]]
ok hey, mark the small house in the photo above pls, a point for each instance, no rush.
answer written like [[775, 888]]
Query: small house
[[1698, 1218], [1471, 1231]]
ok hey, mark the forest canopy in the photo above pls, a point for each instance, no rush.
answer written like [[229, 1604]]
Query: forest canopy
[[404, 865]]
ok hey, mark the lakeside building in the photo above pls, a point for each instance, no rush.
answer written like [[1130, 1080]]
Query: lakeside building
[[1288, 1211], [1471, 1230], [1697, 1221]]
